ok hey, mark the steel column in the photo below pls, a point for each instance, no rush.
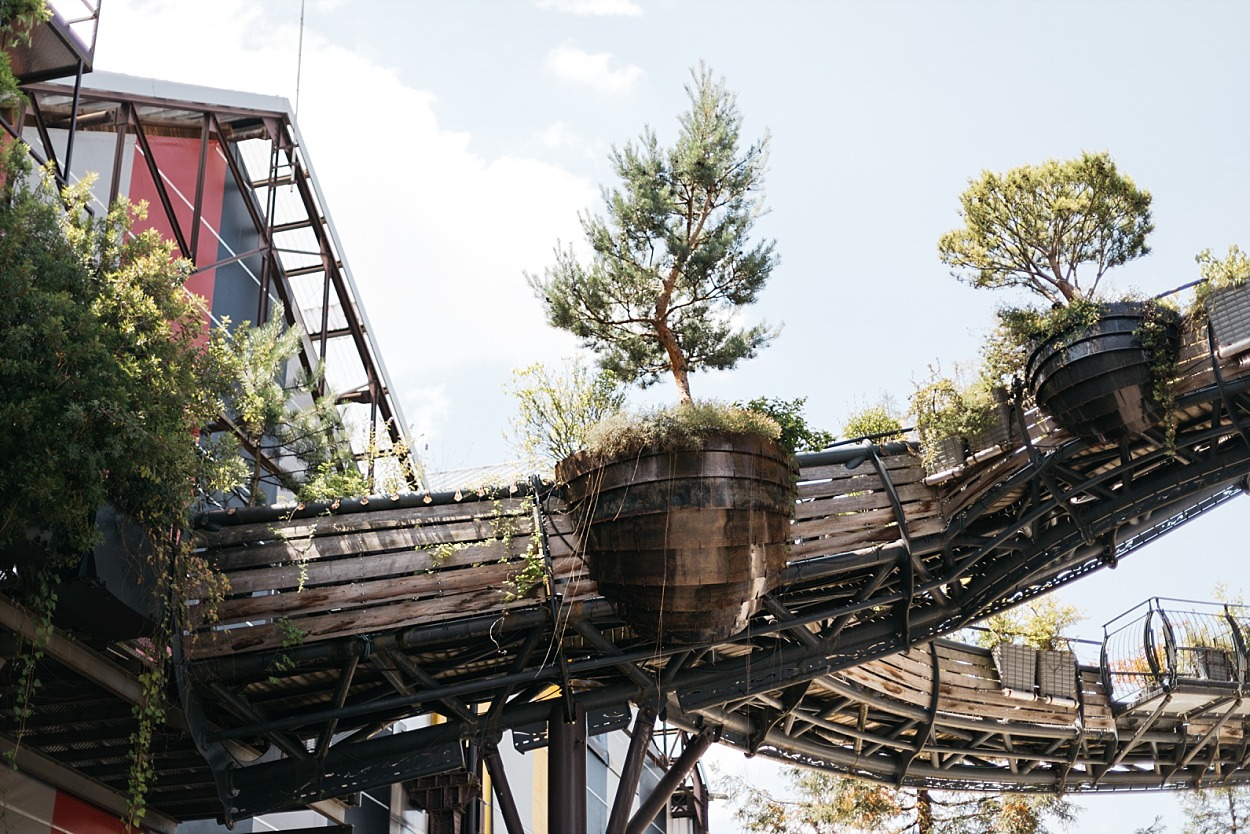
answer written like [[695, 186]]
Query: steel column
[[631, 771], [566, 769], [653, 804]]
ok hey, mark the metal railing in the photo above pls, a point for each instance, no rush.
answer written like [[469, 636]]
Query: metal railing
[[1163, 642]]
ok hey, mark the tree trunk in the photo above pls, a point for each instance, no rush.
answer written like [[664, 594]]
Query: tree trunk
[[924, 812], [676, 356]]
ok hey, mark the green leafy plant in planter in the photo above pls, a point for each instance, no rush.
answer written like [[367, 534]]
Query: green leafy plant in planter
[[1029, 648], [104, 382], [1223, 298], [671, 261], [1097, 366], [955, 420], [556, 407], [796, 434], [876, 422]]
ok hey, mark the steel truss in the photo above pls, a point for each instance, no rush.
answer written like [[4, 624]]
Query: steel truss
[[296, 259], [774, 690]]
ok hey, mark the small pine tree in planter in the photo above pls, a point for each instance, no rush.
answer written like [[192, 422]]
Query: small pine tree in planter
[[685, 511], [1100, 368]]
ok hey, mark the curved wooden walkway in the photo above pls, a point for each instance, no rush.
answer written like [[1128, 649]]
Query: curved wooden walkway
[[343, 619]]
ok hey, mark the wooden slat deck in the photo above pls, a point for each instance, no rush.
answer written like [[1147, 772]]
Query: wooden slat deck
[[968, 685], [336, 574], [842, 508], [318, 578]]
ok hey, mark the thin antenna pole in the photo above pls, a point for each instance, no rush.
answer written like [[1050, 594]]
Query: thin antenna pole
[[299, 60]]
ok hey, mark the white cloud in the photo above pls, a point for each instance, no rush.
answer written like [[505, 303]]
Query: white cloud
[[560, 138], [437, 237], [578, 66], [599, 8]]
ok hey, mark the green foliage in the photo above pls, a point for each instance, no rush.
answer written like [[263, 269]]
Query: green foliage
[[556, 408], [18, 18], [680, 427], [1220, 273], [1027, 326], [796, 434], [149, 715], [1041, 624], [104, 375], [1216, 810], [943, 408], [330, 480], [533, 570], [295, 423], [873, 421], [41, 598], [1230, 271], [825, 803], [1035, 225], [292, 637], [671, 260]]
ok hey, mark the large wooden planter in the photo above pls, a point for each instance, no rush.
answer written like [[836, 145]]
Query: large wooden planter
[[684, 544], [1097, 382]]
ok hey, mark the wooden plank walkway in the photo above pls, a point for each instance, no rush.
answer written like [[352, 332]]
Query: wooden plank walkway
[[311, 579], [968, 685], [342, 573]]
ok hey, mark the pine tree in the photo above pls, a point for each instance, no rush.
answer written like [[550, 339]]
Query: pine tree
[[671, 259], [1221, 810]]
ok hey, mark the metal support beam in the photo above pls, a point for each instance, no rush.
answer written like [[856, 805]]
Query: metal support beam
[[503, 792], [653, 804], [631, 771], [566, 768]]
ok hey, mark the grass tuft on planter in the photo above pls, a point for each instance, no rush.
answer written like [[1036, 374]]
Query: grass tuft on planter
[[674, 428]]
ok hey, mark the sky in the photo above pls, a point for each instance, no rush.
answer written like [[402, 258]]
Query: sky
[[457, 142]]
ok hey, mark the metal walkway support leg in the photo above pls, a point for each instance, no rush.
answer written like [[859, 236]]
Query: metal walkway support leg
[[503, 792], [631, 771], [653, 804], [566, 766]]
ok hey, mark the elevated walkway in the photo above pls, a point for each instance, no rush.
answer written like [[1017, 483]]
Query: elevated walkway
[[476, 606]]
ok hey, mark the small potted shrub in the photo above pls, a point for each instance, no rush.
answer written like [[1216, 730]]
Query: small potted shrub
[[1100, 368], [684, 512], [1029, 648], [1224, 297], [956, 421]]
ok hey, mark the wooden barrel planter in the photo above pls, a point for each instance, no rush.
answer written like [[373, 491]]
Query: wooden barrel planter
[[1097, 382], [685, 543]]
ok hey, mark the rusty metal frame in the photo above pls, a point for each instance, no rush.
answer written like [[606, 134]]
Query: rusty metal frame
[[131, 114]]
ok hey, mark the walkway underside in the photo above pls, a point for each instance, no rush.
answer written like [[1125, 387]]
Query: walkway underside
[[345, 619]]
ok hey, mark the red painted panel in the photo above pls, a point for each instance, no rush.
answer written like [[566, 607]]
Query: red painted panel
[[73, 816], [178, 160]]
